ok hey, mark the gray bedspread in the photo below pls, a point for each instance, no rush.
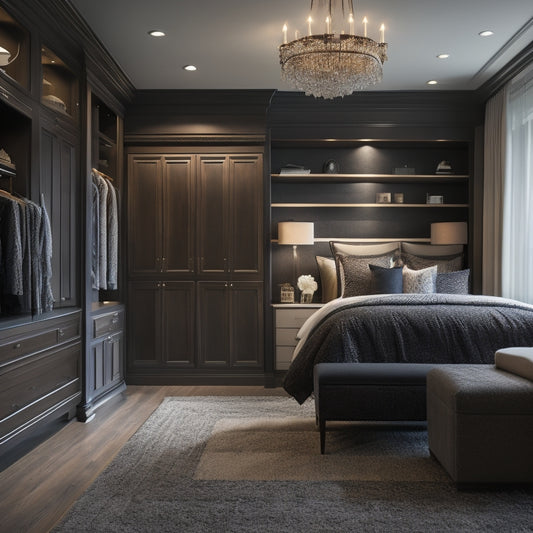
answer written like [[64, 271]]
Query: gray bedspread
[[408, 328]]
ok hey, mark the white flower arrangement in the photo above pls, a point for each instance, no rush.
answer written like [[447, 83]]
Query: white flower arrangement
[[307, 283]]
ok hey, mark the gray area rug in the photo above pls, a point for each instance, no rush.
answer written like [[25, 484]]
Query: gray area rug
[[252, 464]]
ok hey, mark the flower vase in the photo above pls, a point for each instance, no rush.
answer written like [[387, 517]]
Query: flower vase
[[306, 297]]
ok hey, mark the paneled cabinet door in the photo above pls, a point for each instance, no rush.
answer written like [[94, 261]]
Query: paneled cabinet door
[[145, 183], [230, 325], [107, 360], [213, 215], [246, 227], [161, 324], [59, 183], [144, 325], [160, 207], [178, 213], [230, 214]]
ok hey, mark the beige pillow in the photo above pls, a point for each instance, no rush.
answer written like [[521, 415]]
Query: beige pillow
[[345, 248], [328, 277], [518, 361], [432, 250]]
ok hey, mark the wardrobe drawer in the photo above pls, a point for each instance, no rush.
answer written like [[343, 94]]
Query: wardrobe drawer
[[37, 385], [108, 323], [32, 340], [27, 345]]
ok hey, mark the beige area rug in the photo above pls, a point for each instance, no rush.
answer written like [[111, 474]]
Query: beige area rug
[[287, 449]]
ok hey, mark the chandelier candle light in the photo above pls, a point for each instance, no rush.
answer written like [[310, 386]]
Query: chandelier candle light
[[334, 63]]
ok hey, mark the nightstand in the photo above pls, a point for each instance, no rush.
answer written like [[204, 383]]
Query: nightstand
[[288, 319]]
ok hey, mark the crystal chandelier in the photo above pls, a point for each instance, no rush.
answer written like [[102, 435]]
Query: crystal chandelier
[[334, 63]]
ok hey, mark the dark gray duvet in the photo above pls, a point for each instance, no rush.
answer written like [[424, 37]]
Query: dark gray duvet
[[414, 328]]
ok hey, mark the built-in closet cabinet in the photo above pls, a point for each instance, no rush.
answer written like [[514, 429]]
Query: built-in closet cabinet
[[105, 312], [161, 207], [40, 343], [231, 326], [229, 222], [60, 187], [195, 263]]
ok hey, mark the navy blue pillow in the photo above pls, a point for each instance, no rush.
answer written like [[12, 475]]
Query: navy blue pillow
[[386, 280]]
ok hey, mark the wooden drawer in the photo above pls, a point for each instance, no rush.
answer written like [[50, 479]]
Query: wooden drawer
[[286, 336], [29, 389], [292, 318], [283, 357], [24, 341], [108, 323]]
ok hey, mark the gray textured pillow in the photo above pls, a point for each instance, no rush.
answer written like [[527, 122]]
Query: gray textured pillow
[[420, 281], [449, 263], [454, 282], [328, 277], [355, 276]]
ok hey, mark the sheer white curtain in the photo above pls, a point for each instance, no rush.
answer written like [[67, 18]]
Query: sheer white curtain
[[517, 237], [493, 192]]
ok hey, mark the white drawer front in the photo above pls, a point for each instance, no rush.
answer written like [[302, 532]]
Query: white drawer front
[[291, 318], [286, 336], [283, 357]]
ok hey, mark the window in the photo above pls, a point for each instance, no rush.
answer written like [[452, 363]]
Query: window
[[517, 246]]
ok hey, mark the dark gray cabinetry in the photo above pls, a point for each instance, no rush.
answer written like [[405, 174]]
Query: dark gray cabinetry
[[195, 264], [59, 185], [160, 207], [231, 324], [40, 374]]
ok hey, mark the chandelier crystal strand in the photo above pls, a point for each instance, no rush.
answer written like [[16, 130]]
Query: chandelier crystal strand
[[329, 65]]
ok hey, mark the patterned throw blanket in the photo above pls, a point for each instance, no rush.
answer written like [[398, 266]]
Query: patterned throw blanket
[[407, 328]]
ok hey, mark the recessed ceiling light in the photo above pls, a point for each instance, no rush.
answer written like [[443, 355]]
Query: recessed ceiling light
[[486, 33], [190, 68], [156, 33], [432, 82], [443, 56]]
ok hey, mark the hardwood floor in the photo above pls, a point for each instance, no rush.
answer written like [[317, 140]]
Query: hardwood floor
[[37, 490]]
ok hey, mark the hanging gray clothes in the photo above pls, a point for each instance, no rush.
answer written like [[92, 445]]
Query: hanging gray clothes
[[25, 226], [36, 247], [47, 297], [112, 237], [95, 230], [11, 271], [102, 230]]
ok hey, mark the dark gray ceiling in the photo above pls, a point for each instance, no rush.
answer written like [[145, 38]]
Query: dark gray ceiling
[[234, 43]]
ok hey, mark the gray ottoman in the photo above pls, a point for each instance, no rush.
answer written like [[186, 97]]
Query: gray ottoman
[[480, 423]]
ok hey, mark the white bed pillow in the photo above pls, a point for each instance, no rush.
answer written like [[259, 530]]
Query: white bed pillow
[[420, 281]]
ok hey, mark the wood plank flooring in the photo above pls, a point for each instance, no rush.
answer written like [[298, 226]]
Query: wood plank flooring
[[37, 490]]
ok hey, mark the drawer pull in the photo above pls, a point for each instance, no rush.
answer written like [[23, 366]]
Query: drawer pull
[[61, 332], [114, 320], [16, 346]]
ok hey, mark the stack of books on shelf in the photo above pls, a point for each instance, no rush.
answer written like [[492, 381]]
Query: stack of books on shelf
[[294, 169]]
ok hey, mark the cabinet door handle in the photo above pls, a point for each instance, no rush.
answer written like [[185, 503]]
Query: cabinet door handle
[[163, 284], [231, 285], [191, 263]]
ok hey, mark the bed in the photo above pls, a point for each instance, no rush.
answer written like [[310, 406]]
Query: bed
[[414, 328]]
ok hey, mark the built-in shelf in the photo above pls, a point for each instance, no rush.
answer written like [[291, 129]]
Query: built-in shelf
[[303, 205], [374, 178]]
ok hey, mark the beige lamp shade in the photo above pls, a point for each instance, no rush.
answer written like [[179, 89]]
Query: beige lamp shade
[[449, 233], [296, 233]]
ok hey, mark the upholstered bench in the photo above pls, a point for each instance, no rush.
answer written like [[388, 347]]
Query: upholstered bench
[[369, 391], [480, 423]]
